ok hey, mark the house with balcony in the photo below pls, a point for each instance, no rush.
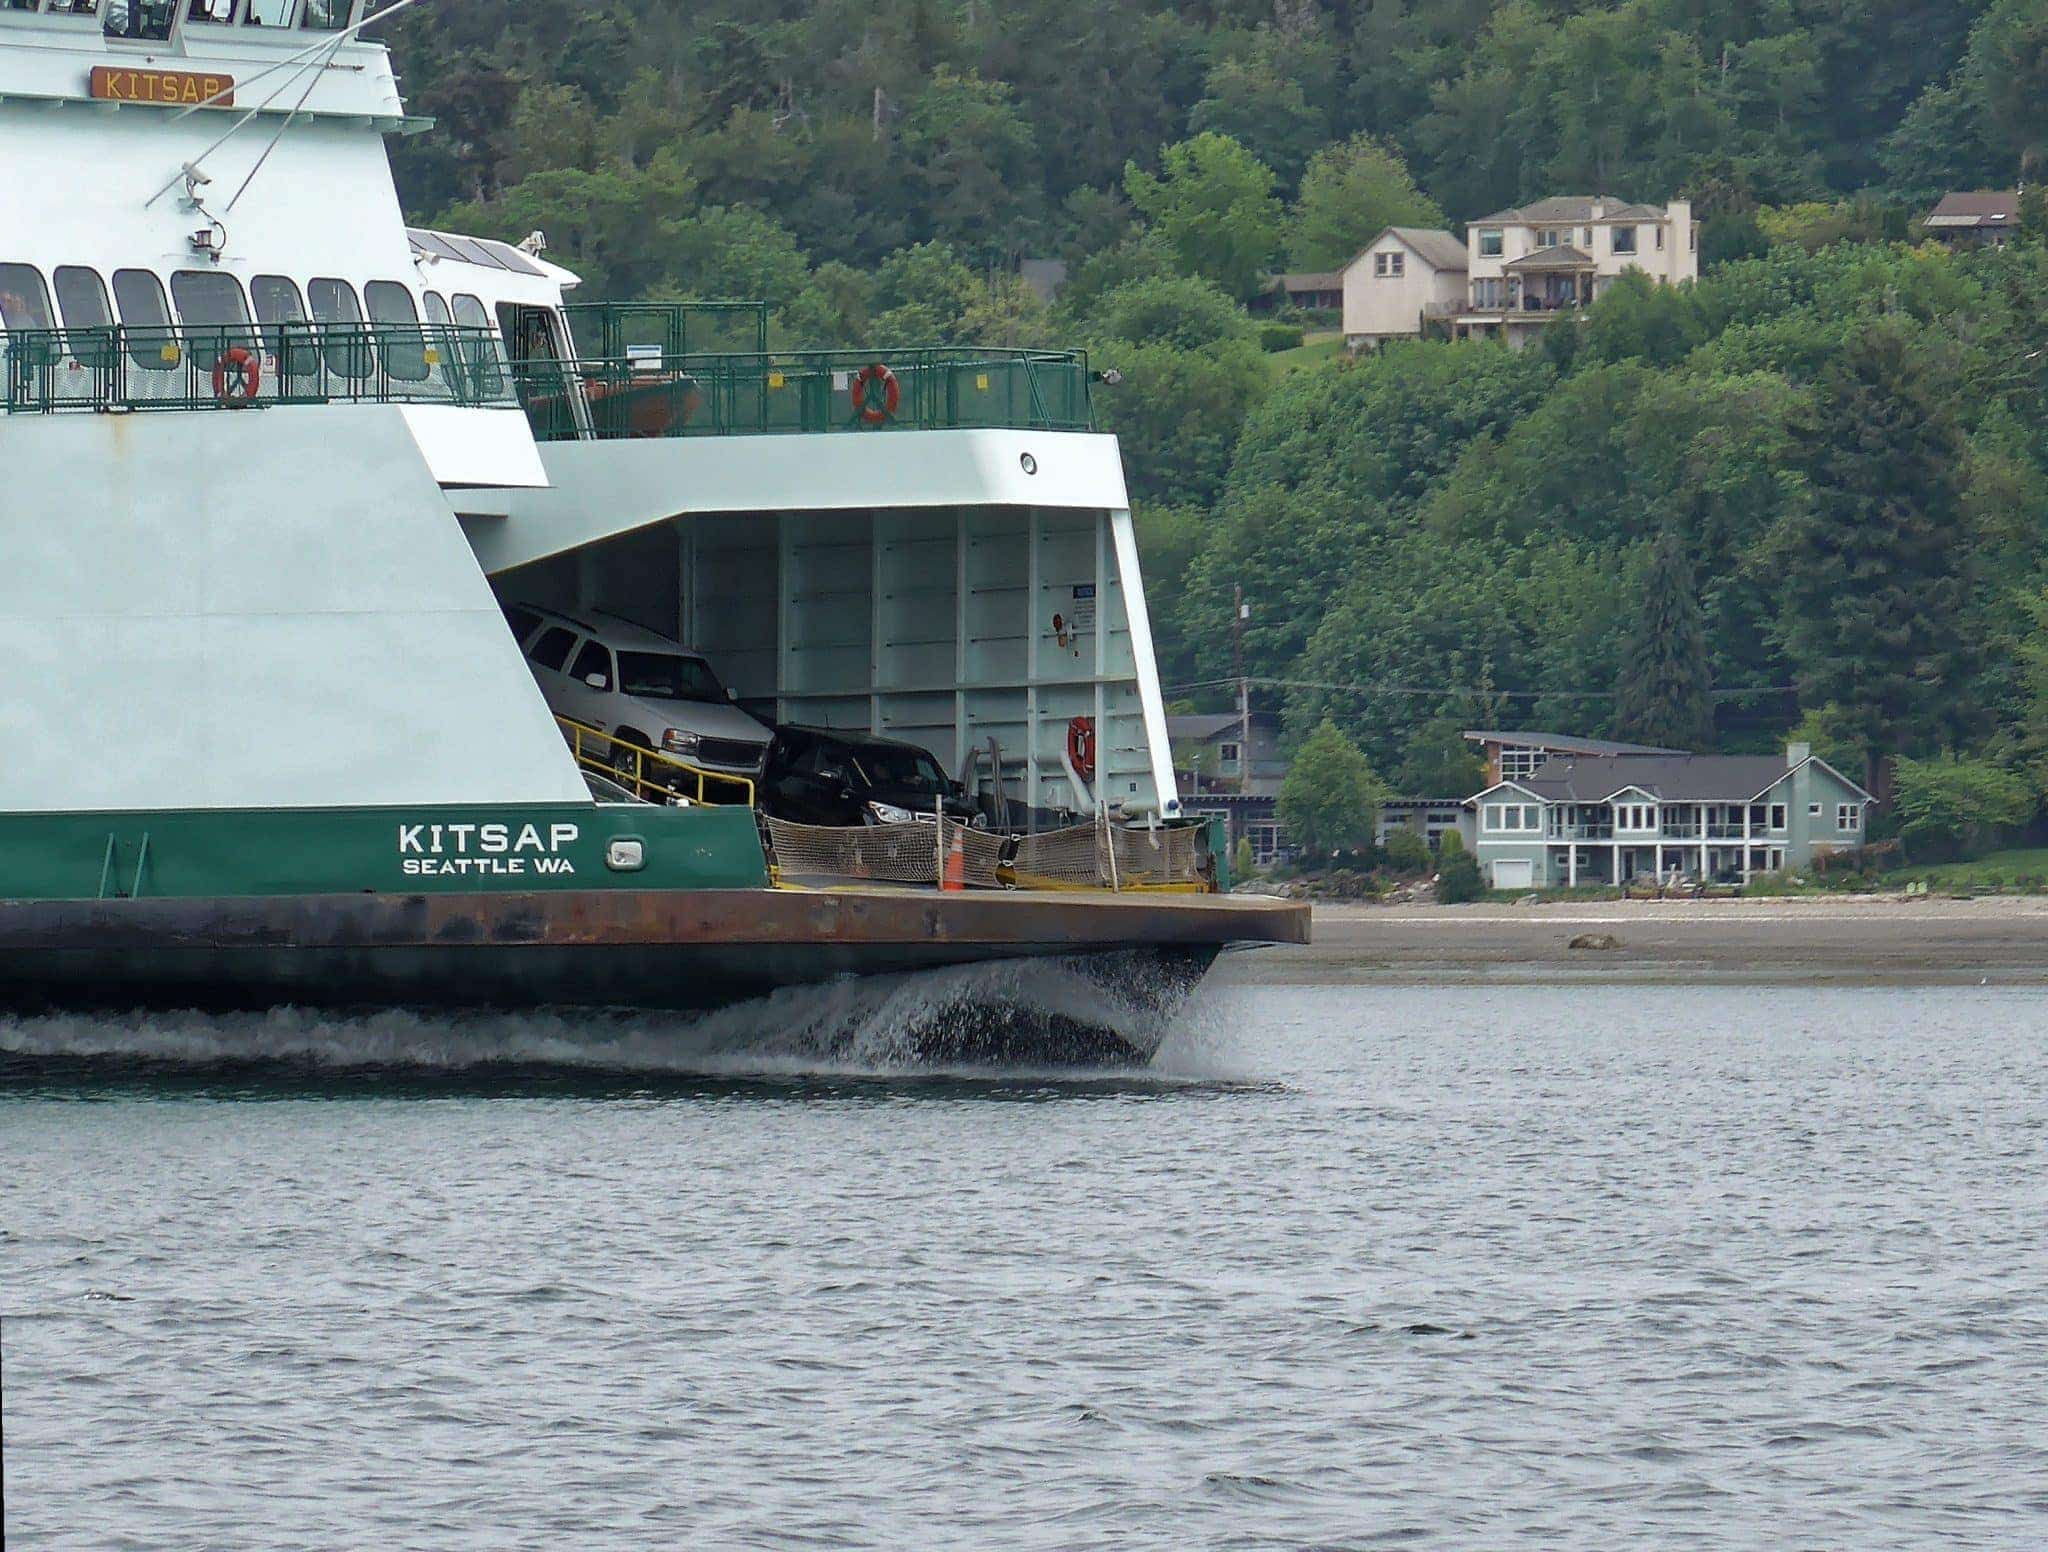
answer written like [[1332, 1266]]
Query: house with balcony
[[1526, 265], [1609, 819], [1516, 270]]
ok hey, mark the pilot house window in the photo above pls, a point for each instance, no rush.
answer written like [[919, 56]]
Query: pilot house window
[[24, 303], [326, 15], [140, 296]]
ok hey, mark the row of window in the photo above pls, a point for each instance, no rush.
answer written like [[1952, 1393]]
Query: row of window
[[1389, 266], [1522, 817], [1621, 239], [213, 299], [150, 20]]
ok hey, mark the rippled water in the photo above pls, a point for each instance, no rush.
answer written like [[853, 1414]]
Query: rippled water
[[1476, 1267]]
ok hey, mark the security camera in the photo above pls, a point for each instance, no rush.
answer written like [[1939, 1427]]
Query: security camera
[[195, 178], [536, 242]]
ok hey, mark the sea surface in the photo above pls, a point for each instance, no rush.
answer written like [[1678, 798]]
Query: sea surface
[[1475, 1267]]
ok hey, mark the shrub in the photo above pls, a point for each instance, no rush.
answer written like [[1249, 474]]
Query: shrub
[[1242, 863], [1457, 878], [1279, 336], [1407, 852]]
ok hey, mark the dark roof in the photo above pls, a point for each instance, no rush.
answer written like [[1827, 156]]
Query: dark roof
[[1680, 778], [1980, 207], [1201, 726], [1564, 742], [1440, 248], [1563, 256], [1317, 280], [1573, 207]]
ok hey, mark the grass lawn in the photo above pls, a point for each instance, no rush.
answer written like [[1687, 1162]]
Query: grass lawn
[[1314, 351], [2001, 869]]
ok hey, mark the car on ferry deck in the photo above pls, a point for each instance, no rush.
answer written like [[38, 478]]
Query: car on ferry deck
[[642, 689], [828, 776]]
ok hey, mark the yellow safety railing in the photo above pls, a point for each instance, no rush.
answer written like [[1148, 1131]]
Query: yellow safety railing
[[648, 774]]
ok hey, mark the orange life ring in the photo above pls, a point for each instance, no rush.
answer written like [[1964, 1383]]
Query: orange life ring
[[236, 377], [1081, 746], [892, 393]]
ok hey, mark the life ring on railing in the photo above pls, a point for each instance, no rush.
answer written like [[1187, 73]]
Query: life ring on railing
[[892, 393], [236, 377], [1081, 746]]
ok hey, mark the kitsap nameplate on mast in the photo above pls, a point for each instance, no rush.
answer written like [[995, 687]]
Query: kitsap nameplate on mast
[[171, 88]]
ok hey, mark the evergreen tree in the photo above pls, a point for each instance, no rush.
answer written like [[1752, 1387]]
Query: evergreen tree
[[1875, 590], [1331, 797], [1665, 692]]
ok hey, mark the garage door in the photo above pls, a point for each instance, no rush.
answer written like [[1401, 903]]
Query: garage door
[[1513, 875]]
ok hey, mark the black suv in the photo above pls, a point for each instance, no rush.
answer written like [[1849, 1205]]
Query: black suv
[[825, 777]]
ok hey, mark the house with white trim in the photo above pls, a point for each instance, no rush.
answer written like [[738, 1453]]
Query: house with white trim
[[1608, 819], [1516, 270]]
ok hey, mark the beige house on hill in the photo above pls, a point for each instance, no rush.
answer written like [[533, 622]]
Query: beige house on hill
[[1517, 269], [1401, 277]]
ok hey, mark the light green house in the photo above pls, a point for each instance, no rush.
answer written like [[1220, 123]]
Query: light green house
[[1606, 819]]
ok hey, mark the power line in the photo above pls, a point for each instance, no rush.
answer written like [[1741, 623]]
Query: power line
[[1474, 691]]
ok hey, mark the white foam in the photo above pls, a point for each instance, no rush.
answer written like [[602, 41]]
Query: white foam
[[866, 1024]]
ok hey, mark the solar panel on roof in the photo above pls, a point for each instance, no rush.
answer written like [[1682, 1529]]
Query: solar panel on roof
[[472, 251], [432, 242], [512, 258]]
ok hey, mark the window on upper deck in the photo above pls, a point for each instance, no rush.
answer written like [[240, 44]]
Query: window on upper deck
[[24, 300], [326, 15], [210, 11], [73, 7], [476, 351], [334, 302], [147, 318], [211, 300], [82, 297], [437, 309], [405, 355], [146, 20], [269, 13], [277, 299], [24, 5]]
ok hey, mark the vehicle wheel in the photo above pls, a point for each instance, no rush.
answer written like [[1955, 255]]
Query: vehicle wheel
[[626, 762]]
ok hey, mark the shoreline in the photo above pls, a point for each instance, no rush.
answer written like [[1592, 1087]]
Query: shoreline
[[1847, 940]]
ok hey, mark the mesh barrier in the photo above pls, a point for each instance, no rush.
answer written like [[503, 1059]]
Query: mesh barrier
[[1101, 856], [1094, 856], [917, 853]]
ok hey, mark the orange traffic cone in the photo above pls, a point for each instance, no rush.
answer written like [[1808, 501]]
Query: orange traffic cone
[[955, 876]]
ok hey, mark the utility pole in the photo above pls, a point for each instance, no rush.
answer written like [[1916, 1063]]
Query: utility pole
[[1240, 611]]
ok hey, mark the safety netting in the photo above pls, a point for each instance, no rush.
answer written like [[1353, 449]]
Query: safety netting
[[946, 853], [927, 852], [1107, 856]]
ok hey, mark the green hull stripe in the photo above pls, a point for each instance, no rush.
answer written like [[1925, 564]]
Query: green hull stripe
[[459, 849]]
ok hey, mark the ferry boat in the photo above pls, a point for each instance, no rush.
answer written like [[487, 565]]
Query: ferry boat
[[277, 472]]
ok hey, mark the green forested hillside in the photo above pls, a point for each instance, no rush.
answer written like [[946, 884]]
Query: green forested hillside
[[1832, 445]]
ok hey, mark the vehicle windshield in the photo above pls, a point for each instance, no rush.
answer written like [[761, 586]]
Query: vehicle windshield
[[901, 770], [663, 676]]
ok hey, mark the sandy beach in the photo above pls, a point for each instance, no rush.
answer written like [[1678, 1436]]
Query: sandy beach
[[1848, 939]]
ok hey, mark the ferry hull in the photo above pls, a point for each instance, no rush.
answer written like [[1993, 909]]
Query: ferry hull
[[1134, 959]]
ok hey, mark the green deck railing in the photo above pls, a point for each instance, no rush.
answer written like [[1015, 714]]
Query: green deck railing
[[614, 331], [655, 394], [119, 368]]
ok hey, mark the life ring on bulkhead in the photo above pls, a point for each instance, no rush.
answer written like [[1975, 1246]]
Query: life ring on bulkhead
[[236, 377], [1081, 746], [892, 393]]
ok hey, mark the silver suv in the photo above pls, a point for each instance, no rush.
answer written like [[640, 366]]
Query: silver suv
[[642, 689]]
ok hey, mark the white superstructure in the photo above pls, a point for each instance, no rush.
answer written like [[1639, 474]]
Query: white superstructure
[[276, 604]]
